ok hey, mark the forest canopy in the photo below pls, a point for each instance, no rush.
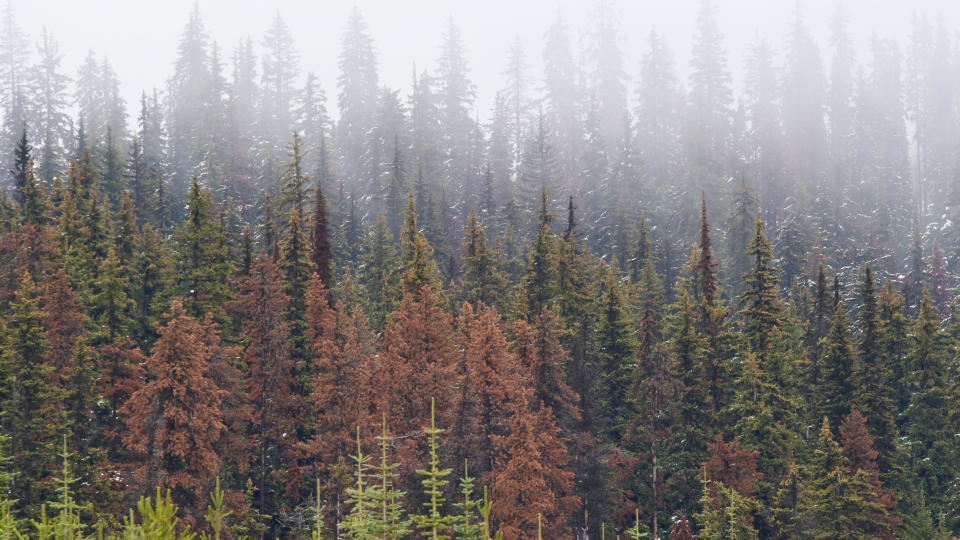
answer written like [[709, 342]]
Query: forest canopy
[[621, 302]]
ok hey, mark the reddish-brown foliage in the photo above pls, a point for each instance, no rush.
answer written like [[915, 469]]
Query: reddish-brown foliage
[[681, 530], [492, 387], [343, 348], [63, 320], [122, 374], [861, 455], [531, 478], [418, 361], [174, 421], [272, 391], [857, 443], [733, 465]]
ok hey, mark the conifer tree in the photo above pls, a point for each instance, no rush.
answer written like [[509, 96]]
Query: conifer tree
[[483, 279], [418, 362], [468, 526], [940, 283], [725, 514], [874, 378], [111, 308], [201, 259], [681, 530], [174, 421], [122, 374], [22, 165], [491, 389], [379, 278], [322, 252], [840, 499], [540, 283], [617, 351], [390, 521], [434, 523], [31, 415], [760, 301], [342, 345], [837, 388], [925, 419], [537, 346], [297, 268], [63, 320], [530, 479], [153, 284], [358, 524], [272, 389], [417, 268]]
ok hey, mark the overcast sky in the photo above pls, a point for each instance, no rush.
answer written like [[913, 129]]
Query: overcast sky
[[140, 37]]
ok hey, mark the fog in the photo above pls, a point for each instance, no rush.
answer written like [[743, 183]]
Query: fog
[[839, 122], [140, 37]]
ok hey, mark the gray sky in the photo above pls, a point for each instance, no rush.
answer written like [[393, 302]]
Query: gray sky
[[140, 37]]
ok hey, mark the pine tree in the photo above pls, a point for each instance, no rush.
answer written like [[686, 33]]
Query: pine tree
[[874, 378], [540, 283], [322, 252], [925, 419], [272, 389], [483, 280], [390, 521], [538, 348], [761, 311], [110, 306], [940, 282], [417, 268], [63, 320], [434, 524], [201, 259], [842, 501], [22, 165], [379, 278], [617, 351], [725, 514], [530, 479], [358, 524], [174, 422], [31, 415], [491, 388], [297, 267], [122, 373], [836, 390], [293, 182], [418, 362], [681, 530]]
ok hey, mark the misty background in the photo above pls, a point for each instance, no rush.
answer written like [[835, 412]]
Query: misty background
[[140, 37], [838, 121]]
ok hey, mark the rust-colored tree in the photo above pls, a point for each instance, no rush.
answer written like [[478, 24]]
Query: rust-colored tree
[[272, 389], [122, 374], [861, 457], [342, 349], [681, 530], [492, 387], [733, 465], [531, 478], [174, 422], [63, 321], [418, 360]]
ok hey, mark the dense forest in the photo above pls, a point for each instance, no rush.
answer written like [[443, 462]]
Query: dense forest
[[611, 306]]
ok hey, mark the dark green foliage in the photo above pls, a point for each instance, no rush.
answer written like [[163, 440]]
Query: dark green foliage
[[202, 267]]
